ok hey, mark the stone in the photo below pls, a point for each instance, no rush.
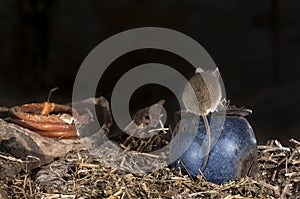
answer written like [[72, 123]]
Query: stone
[[34, 150]]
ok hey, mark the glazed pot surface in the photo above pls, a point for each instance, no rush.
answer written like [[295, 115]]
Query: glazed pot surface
[[233, 152]]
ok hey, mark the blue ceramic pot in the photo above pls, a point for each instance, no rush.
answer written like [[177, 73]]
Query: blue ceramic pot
[[233, 152]]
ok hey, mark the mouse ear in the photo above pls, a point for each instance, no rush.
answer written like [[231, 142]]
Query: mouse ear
[[199, 70], [216, 73]]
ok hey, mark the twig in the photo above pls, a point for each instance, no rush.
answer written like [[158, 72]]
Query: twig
[[284, 191], [52, 196], [272, 148], [11, 158], [274, 188], [292, 140]]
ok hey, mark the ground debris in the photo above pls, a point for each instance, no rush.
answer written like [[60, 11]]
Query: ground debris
[[80, 176]]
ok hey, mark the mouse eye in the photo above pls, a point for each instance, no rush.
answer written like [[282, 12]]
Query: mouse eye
[[147, 119]]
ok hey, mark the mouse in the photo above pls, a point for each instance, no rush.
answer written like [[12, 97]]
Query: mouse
[[208, 95]]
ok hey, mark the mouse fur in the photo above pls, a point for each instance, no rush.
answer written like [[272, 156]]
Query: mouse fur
[[207, 90]]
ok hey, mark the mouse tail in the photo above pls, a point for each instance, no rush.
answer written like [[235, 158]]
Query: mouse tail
[[207, 128]]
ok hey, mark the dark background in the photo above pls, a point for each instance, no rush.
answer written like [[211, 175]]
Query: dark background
[[255, 44]]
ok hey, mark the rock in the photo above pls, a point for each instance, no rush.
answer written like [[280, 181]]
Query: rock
[[33, 149], [234, 154]]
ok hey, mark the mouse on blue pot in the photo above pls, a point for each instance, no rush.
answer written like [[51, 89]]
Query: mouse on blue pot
[[201, 96], [233, 154]]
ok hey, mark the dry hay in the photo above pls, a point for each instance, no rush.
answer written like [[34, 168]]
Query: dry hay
[[79, 176]]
